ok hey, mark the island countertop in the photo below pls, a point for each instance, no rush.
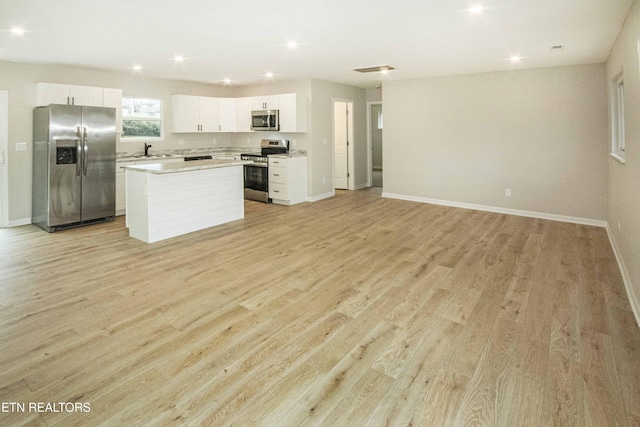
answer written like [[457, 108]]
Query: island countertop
[[163, 168]]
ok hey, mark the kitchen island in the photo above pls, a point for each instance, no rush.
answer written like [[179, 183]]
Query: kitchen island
[[171, 199]]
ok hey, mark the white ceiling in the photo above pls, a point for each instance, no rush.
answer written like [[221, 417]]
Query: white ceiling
[[244, 39]]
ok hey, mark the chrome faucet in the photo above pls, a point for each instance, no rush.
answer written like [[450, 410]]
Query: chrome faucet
[[146, 149]]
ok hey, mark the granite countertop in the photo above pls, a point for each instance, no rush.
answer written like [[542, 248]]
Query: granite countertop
[[177, 154], [162, 168]]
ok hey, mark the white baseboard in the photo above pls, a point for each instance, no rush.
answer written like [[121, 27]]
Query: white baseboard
[[19, 222], [626, 278], [321, 196], [518, 212], [361, 186]]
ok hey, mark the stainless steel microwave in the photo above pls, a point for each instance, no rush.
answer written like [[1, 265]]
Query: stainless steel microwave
[[265, 120]]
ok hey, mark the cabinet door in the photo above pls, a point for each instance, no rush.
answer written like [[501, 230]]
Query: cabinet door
[[265, 102], [209, 121], [243, 114], [113, 98], [227, 114], [51, 93], [185, 112], [86, 96]]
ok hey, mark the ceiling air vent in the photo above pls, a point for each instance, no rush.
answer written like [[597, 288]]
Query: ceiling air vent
[[557, 48], [377, 69]]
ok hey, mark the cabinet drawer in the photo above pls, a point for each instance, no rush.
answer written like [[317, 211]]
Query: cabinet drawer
[[278, 174], [277, 162], [278, 191]]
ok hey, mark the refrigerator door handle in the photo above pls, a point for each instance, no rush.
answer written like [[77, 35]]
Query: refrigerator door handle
[[78, 150], [85, 158]]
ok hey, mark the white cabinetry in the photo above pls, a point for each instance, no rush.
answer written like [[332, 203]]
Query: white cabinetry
[[194, 113], [244, 106], [288, 180], [227, 115], [266, 102], [54, 93], [293, 112], [121, 185]]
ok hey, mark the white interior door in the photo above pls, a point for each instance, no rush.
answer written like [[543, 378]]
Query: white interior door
[[341, 141], [4, 173]]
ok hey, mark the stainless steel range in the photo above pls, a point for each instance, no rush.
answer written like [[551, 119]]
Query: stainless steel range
[[256, 175]]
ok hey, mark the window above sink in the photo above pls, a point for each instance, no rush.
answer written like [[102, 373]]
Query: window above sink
[[142, 119]]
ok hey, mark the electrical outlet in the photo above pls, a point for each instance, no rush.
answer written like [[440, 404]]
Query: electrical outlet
[[180, 141], [21, 146], [215, 141], [507, 192], [248, 141], [293, 142], [619, 226], [324, 141], [324, 180]]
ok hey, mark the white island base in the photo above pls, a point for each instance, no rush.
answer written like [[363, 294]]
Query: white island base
[[168, 200]]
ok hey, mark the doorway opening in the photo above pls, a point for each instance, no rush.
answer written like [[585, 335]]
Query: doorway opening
[[343, 144], [4, 169], [375, 144]]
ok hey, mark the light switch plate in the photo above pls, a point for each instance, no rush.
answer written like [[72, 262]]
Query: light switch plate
[[21, 146]]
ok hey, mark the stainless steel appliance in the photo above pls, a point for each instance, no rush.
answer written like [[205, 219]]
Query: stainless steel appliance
[[265, 120], [256, 175], [74, 166]]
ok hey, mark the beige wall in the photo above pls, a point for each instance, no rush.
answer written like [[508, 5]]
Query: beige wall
[[376, 137], [624, 180], [541, 133], [324, 94]]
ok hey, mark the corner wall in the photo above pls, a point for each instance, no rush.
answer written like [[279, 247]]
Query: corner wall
[[466, 139], [624, 179]]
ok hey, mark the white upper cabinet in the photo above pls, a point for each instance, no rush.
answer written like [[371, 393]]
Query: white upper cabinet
[[293, 112], [209, 121], [194, 114], [243, 114], [54, 93], [227, 115], [266, 102], [205, 114]]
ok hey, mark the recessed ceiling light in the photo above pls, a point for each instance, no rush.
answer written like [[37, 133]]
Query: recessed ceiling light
[[475, 9], [515, 58], [137, 67], [269, 75], [292, 44], [17, 31], [384, 71], [227, 81], [178, 58]]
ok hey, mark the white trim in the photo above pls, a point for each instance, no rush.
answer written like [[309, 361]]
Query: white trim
[[4, 148], [518, 212], [618, 158], [634, 301], [361, 186], [19, 222], [350, 148], [321, 196]]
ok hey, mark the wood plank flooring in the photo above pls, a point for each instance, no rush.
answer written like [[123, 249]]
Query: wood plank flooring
[[351, 311]]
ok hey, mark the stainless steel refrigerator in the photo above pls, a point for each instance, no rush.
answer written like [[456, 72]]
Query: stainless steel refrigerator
[[74, 154]]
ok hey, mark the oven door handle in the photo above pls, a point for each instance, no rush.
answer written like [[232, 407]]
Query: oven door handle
[[260, 165]]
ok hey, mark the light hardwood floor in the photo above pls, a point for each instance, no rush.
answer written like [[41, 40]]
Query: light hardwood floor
[[350, 311]]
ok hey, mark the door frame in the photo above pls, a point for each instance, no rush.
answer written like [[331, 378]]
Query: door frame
[[4, 152], [350, 163], [370, 143]]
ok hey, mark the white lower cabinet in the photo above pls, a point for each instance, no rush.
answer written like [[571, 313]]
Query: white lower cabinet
[[288, 180], [121, 184]]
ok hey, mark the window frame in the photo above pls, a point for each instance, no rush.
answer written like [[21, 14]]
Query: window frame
[[161, 119], [618, 141]]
